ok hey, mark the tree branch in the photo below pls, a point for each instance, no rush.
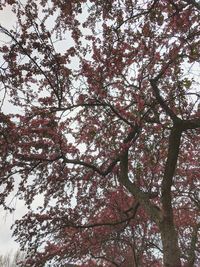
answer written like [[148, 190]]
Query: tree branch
[[161, 101], [191, 124], [142, 197], [172, 157], [92, 225]]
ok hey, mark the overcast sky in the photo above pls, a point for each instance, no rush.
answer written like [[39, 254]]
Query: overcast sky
[[7, 243]]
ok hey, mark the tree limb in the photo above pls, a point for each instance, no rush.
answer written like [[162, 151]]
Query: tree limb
[[142, 197], [172, 157], [161, 101]]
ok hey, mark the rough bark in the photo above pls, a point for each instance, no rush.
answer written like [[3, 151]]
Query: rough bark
[[171, 252], [171, 257]]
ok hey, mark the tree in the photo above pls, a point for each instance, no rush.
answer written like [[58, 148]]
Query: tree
[[105, 129]]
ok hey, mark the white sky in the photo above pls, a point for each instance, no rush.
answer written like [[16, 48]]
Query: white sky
[[7, 244]]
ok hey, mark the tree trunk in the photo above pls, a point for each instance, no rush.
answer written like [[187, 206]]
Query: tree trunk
[[171, 252], [163, 217]]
